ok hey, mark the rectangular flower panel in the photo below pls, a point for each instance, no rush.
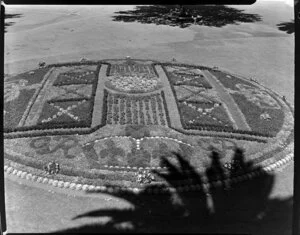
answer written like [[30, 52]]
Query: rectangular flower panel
[[128, 68], [137, 110], [66, 114], [182, 76], [69, 78]]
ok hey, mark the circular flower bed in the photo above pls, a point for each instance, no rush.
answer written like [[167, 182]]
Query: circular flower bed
[[134, 83]]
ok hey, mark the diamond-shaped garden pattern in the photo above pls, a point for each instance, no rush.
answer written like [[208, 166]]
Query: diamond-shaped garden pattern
[[65, 112]]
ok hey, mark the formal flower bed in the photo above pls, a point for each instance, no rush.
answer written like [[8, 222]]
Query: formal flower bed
[[144, 176], [127, 135], [74, 91], [133, 83], [66, 113], [184, 92], [131, 67], [137, 110], [198, 114], [230, 81], [68, 78], [14, 109], [186, 76], [252, 114], [32, 77]]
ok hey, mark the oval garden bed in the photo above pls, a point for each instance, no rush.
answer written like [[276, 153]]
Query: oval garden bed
[[92, 125]]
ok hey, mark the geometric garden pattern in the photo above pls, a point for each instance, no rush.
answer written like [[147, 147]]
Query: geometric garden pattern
[[114, 115]]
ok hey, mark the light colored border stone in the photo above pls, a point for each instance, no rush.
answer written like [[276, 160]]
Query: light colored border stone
[[184, 188], [56, 183]]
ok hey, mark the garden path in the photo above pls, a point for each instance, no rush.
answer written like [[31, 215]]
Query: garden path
[[98, 105], [238, 117], [170, 99]]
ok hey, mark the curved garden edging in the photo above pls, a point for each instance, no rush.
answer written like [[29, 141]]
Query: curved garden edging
[[193, 187], [279, 160]]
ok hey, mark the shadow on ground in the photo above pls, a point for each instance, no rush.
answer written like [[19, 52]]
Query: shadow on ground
[[10, 16], [231, 208], [185, 15], [288, 27]]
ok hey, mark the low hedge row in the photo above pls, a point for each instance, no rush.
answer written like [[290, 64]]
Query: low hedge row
[[67, 64], [208, 127], [58, 100], [45, 132], [185, 65], [227, 135], [227, 129]]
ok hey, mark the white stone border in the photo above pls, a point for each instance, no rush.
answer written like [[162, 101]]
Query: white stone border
[[195, 187], [186, 188]]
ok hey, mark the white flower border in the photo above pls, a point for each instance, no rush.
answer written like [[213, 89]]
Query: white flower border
[[195, 187], [186, 188]]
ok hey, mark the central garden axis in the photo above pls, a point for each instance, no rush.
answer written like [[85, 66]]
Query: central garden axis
[[103, 121]]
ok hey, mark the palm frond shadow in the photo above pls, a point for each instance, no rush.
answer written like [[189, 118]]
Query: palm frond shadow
[[288, 27], [241, 207], [186, 15], [10, 16]]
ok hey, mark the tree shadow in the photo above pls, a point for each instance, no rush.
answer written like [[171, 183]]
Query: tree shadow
[[10, 16], [186, 15], [288, 27], [228, 207]]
